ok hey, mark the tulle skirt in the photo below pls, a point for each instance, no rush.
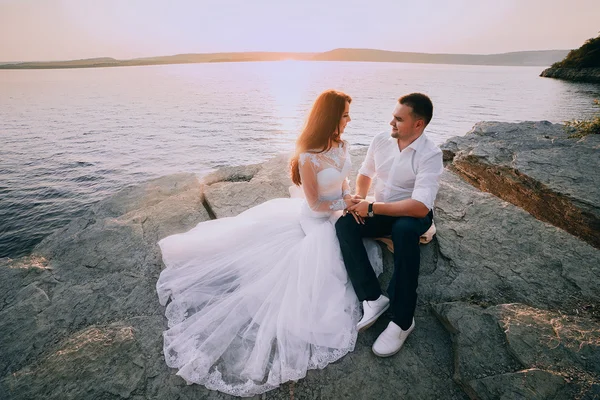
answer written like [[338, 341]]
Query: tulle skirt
[[258, 299]]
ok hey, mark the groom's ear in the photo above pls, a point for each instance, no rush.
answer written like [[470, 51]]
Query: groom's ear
[[420, 124]]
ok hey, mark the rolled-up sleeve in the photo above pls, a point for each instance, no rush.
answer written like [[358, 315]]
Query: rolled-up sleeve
[[427, 181], [368, 166]]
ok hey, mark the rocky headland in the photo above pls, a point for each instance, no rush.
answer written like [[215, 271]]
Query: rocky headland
[[509, 290], [591, 75], [580, 65]]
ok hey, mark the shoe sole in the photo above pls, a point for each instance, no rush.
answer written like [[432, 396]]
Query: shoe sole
[[373, 320], [387, 355]]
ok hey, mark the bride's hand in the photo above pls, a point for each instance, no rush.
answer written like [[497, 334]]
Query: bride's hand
[[349, 203]]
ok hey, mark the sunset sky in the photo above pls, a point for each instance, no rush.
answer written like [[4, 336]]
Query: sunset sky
[[73, 29]]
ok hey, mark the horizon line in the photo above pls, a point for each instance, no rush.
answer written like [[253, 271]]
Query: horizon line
[[284, 52]]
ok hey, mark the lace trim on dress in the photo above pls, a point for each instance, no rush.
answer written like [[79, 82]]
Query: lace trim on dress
[[346, 190], [313, 158], [319, 359], [335, 154], [337, 205]]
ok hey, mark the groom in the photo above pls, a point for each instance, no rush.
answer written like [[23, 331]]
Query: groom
[[408, 166]]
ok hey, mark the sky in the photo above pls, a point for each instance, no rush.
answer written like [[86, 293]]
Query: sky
[[44, 30]]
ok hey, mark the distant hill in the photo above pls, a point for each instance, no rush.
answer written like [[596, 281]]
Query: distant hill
[[581, 65], [161, 60], [521, 58]]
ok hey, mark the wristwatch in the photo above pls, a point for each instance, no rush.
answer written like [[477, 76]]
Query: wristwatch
[[370, 210]]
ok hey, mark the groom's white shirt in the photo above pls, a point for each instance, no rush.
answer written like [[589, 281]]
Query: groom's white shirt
[[411, 173]]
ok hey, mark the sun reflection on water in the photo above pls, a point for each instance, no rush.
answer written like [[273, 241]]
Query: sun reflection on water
[[290, 88]]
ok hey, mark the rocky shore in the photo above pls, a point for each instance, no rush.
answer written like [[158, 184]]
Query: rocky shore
[[591, 75], [509, 290]]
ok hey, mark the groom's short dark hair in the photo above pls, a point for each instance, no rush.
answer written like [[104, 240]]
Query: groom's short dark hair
[[421, 105]]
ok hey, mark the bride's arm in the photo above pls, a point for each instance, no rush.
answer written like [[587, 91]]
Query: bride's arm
[[346, 189], [346, 193], [308, 174]]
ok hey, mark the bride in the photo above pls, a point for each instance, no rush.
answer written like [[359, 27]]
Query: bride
[[258, 299]]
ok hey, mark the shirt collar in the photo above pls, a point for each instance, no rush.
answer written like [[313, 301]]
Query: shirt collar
[[415, 145]]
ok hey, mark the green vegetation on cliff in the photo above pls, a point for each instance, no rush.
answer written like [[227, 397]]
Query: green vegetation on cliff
[[587, 56]]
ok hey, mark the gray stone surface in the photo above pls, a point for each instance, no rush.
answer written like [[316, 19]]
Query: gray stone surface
[[492, 252], [107, 358], [80, 318], [536, 166], [533, 384], [479, 345], [550, 340], [234, 190], [517, 351]]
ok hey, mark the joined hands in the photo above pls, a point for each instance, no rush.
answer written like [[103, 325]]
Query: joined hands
[[357, 207]]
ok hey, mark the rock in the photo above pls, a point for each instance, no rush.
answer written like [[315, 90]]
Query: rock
[[492, 252], [591, 75], [550, 340], [479, 344], [234, 190], [95, 279], [27, 289], [80, 317], [537, 167], [532, 384], [106, 358], [516, 351], [116, 234]]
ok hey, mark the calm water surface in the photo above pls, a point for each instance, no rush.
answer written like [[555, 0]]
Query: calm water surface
[[71, 137]]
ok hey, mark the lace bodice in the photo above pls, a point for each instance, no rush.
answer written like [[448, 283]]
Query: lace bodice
[[325, 178]]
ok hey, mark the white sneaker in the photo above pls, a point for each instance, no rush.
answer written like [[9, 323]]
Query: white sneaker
[[372, 309], [391, 340]]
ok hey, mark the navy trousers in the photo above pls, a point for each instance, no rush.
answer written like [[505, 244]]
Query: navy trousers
[[405, 232]]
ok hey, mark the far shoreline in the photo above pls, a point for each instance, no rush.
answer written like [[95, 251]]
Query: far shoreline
[[542, 58]]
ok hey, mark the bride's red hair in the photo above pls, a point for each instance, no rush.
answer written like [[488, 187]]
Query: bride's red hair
[[321, 130]]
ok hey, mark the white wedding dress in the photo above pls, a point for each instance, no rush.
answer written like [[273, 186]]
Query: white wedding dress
[[258, 299]]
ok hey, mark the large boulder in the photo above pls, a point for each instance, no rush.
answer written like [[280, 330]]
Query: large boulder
[[516, 351], [536, 166], [229, 191], [80, 317], [490, 251]]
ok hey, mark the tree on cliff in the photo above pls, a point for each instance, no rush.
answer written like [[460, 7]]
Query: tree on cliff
[[587, 56]]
